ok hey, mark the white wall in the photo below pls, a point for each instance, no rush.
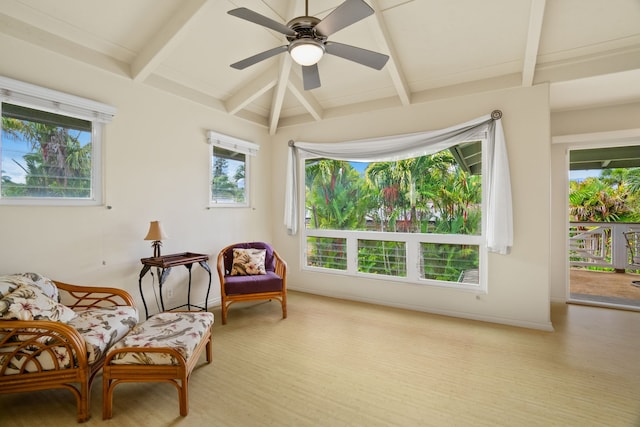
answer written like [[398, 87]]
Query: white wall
[[518, 283], [156, 164], [156, 168]]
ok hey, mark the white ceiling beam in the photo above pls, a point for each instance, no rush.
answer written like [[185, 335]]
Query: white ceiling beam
[[536, 19], [281, 85], [28, 33], [159, 48], [278, 93], [393, 67], [305, 98], [250, 93]]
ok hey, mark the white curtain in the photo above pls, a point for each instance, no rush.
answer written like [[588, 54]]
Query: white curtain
[[399, 147]]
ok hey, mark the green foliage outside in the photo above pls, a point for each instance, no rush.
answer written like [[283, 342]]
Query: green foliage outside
[[429, 194], [57, 165], [226, 187], [612, 197]]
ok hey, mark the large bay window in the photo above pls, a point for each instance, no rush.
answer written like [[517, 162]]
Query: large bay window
[[419, 208]]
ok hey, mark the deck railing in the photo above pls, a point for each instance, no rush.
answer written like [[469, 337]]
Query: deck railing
[[600, 244]]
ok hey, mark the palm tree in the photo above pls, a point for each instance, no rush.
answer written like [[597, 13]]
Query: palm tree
[[58, 165]]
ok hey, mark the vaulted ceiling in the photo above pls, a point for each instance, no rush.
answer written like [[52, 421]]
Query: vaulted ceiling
[[589, 51]]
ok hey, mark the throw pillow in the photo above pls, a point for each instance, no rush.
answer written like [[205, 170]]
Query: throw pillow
[[29, 302], [248, 262], [10, 282]]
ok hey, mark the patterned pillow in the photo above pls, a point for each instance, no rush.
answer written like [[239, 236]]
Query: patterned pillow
[[10, 282], [29, 302], [248, 262], [6, 286]]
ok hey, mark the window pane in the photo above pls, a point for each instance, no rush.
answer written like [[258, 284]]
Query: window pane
[[382, 257], [327, 252], [44, 155], [440, 193], [228, 184], [449, 262]]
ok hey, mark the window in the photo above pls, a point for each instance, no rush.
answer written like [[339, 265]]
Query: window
[[417, 220], [229, 182], [50, 146]]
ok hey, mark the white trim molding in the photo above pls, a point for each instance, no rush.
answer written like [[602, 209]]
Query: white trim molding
[[29, 95], [231, 143]]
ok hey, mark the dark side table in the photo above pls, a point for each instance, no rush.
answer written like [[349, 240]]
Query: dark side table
[[164, 264]]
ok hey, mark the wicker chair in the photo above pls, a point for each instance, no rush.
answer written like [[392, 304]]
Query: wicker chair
[[251, 287]]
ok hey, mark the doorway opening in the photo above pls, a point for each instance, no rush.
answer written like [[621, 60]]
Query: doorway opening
[[604, 212]]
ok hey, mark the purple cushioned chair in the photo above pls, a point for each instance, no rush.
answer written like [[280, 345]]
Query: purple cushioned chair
[[272, 285]]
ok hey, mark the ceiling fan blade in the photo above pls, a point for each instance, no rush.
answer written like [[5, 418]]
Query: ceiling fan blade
[[310, 77], [256, 18], [349, 12], [241, 65], [361, 56]]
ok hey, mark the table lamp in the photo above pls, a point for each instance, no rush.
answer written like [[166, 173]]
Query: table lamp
[[156, 233]]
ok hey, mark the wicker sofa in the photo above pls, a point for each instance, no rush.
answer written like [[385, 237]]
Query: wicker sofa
[[56, 335]]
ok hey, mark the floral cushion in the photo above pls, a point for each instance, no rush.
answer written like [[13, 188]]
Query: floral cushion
[[28, 302], [10, 282], [102, 327], [248, 262], [181, 331]]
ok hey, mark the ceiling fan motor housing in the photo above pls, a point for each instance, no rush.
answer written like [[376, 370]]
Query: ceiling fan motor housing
[[304, 26]]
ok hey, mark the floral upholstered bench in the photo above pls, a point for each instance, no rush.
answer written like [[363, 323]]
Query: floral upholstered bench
[[55, 335], [164, 348]]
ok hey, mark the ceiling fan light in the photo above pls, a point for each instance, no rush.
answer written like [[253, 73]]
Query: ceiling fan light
[[306, 52]]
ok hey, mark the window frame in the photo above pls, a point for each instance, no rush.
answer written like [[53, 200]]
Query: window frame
[[412, 241], [43, 99], [230, 143]]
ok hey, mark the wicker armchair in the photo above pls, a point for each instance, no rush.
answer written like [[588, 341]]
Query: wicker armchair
[[49, 354], [267, 285]]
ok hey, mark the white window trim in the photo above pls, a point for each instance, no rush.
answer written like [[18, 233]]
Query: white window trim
[[32, 96], [40, 98], [231, 143], [249, 149]]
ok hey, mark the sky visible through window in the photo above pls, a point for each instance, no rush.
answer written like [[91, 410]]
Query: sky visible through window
[[14, 149], [581, 175]]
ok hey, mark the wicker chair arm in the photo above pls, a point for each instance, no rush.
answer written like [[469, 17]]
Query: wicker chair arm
[[281, 265], [84, 297], [29, 339]]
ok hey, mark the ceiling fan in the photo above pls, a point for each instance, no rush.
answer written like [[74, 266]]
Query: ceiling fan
[[307, 36]]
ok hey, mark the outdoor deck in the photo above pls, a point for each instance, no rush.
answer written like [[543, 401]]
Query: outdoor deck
[[604, 287]]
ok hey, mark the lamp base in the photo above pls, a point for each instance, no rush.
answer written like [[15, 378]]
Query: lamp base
[[156, 248]]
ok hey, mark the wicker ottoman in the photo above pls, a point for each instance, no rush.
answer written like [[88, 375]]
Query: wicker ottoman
[[164, 348]]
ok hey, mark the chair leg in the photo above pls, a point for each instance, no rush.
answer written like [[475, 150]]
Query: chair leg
[[183, 396], [224, 312], [283, 302]]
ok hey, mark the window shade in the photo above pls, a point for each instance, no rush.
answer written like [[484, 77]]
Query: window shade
[[28, 95], [230, 143]]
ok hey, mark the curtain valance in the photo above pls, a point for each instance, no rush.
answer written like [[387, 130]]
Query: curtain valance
[[399, 147]]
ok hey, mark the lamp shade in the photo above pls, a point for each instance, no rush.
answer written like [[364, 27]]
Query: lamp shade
[[155, 232], [306, 51]]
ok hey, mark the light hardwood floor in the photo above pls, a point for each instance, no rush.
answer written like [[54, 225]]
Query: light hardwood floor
[[340, 363]]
